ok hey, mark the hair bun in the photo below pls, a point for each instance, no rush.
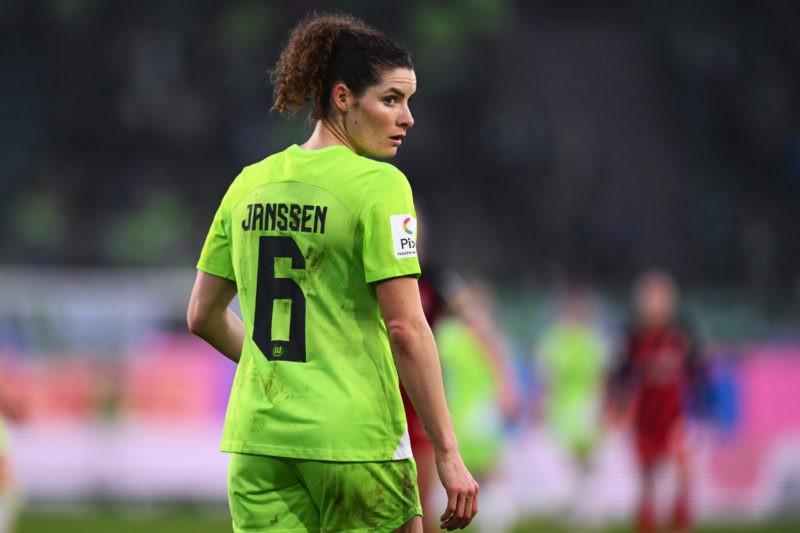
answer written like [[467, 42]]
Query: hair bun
[[319, 54]]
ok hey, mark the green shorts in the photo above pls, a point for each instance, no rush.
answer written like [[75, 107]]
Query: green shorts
[[278, 494]]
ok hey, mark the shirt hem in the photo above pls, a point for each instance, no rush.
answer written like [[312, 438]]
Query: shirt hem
[[313, 454], [209, 268], [380, 275]]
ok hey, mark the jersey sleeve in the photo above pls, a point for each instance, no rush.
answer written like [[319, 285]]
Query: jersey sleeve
[[389, 227], [215, 258]]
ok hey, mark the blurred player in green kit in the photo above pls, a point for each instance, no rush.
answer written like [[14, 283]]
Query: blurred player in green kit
[[319, 243], [480, 387], [479, 382], [572, 353]]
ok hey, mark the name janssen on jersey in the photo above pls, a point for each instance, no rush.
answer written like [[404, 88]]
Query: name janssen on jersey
[[292, 217]]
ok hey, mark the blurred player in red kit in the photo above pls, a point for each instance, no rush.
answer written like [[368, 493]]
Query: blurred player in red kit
[[659, 369]]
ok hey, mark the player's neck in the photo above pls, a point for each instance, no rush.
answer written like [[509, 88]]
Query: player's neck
[[327, 134]]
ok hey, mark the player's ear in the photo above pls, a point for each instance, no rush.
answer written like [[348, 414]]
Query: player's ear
[[341, 97]]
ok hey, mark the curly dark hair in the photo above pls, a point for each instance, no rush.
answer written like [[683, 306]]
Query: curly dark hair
[[326, 49]]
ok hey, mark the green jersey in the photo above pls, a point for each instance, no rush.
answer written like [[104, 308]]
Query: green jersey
[[304, 234], [571, 357]]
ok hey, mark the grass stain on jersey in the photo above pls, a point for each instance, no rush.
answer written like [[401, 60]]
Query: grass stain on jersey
[[258, 422], [274, 389], [314, 258]]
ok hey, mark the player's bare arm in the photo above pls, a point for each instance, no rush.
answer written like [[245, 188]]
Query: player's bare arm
[[417, 362], [210, 317]]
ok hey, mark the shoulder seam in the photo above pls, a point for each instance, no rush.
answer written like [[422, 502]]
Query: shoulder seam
[[385, 167]]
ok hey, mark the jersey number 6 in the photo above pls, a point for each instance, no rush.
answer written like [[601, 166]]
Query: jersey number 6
[[273, 296]]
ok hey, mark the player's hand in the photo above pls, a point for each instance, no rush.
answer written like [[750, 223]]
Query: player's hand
[[462, 491]]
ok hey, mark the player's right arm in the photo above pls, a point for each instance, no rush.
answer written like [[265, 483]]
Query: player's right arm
[[210, 317], [417, 362]]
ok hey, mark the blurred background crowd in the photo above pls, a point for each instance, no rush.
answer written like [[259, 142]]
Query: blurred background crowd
[[560, 148]]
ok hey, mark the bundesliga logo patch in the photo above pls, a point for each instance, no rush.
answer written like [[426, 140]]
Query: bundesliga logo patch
[[404, 235]]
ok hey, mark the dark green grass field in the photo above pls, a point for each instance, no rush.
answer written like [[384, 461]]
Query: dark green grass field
[[179, 520], [198, 520]]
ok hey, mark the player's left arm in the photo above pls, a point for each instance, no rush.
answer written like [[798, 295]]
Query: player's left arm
[[210, 317]]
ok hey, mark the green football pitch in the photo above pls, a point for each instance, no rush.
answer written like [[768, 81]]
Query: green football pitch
[[182, 520], [192, 520]]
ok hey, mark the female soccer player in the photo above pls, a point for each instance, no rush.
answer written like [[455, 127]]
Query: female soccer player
[[659, 370], [319, 242]]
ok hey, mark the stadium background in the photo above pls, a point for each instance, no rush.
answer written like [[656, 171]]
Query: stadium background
[[553, 141]]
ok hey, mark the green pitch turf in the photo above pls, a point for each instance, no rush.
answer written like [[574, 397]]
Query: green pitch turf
[[112, 521], [197, 520]]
